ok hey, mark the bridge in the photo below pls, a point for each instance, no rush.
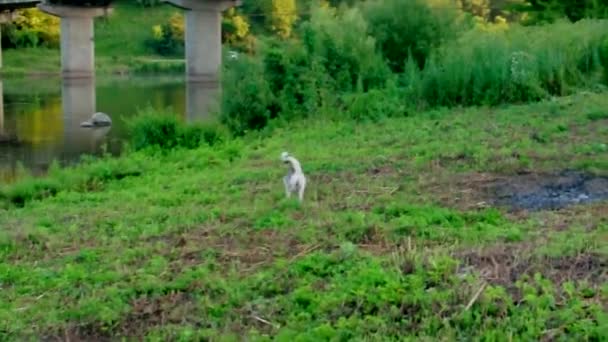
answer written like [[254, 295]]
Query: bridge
[[202, 33]]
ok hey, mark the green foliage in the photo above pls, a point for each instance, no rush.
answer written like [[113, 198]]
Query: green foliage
[[90, 176], [598, 115], [235, 31], [375, 104], [283, 15], [168, 38], [519, 64], [410, 29], [288, 79], [548, 11], [246, 96], [156, 129], [338, 40], [198, 244], [31, 28]]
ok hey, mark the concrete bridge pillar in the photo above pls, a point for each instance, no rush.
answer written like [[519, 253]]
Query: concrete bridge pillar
[[204, 37], [77, 42]]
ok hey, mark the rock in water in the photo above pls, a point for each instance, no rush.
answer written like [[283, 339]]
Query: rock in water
[[98, 120], [101, 119]]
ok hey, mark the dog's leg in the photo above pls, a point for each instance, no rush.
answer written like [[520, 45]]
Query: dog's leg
[[301, 189], [286, 183]]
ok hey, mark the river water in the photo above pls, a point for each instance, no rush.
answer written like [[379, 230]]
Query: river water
[[40, 118]]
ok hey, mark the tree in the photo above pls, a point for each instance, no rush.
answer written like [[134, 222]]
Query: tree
[[283, 15], [547, 11]]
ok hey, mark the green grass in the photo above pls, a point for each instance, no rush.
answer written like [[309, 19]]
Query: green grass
[[119, 45], [202, 244]]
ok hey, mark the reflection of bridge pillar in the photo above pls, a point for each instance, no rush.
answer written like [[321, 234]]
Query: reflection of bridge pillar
[[79, 104], [77, 42], [204, 37], [201, 100]]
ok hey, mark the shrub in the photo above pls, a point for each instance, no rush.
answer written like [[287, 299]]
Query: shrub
[[165, 131], [235, 31], [293, 79], [375, 104], [32, 28], [168, 38], [246, 96], [339, 41], [410, 28]]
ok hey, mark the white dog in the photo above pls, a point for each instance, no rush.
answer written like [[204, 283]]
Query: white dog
[[295, 180]]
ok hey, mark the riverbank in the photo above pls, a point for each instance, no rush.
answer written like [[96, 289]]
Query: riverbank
[[119, 46], [400, 234]]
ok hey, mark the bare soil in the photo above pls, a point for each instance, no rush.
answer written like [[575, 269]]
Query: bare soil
[[526, 191]]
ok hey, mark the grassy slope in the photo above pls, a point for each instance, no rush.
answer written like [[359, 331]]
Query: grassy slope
[[203, 243], [119, 44]]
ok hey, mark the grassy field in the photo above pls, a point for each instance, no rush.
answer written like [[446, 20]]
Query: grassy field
[[395, 238], [119, 45]]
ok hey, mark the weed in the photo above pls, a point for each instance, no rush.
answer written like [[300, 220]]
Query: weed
[[199, 243]]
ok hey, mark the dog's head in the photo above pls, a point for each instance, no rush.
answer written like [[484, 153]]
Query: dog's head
[[284, 157]]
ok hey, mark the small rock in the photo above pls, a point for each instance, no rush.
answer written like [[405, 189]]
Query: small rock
[[98, 120], [101, 119]]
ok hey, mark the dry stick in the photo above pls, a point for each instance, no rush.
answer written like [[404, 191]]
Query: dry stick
[[259, 319], [304, 252], [476, 296]]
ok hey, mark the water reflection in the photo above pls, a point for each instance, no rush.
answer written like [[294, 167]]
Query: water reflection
[[79, 103], [202, 101], [40, 120]]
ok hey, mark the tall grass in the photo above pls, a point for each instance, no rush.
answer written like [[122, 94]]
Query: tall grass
[[516, 65]]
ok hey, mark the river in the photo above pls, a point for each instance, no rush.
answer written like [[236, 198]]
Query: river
[[40, 118]]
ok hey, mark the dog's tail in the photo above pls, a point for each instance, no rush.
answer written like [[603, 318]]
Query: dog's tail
[[295, 164]]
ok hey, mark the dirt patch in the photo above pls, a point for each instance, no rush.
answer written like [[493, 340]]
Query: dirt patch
[[549, 191], [505, 264], [524, 191], [172, 308]]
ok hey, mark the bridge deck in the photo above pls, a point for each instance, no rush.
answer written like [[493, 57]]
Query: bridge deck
[[6, 5]]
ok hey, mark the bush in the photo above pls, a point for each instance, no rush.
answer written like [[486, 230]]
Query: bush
[[32, 28], [168, 38], [293, 79], [246, 96], [235, 31], [339, 41], [165, 131], [410, 28], [375, 104], [520, 64]]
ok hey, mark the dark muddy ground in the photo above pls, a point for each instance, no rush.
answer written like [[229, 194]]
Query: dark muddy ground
[[548, 191]]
